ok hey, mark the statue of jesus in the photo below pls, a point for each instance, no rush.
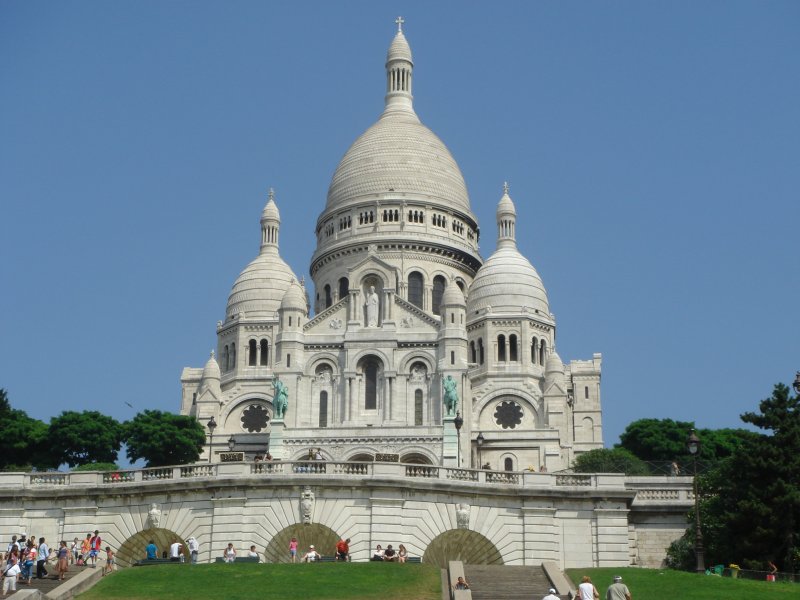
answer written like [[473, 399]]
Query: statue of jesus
[[372, 307]]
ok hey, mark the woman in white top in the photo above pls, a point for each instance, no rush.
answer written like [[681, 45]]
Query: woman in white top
[[229, 554], [586, 590]]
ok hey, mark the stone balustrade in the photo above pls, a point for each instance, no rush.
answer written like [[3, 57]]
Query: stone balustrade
[[658, 490]]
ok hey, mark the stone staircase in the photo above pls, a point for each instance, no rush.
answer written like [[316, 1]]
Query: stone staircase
[[49, 583], [497, 582]]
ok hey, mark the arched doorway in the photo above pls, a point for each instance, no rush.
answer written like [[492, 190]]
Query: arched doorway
[[470, 547], [133, 548], [324, 540]]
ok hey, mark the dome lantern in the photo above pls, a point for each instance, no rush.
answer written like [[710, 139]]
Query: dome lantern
[[399, 66]]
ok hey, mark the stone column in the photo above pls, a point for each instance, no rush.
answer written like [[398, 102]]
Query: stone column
[[540, 534], [276, 439]]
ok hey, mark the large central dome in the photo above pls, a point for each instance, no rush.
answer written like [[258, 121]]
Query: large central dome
[[398, 154]]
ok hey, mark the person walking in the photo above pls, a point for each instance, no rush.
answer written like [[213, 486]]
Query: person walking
[[194, 548], [10, 572], [43, 552], [293, 550], [63, 560], [110, 561], [586, 590], [551, 595], [618, 590]]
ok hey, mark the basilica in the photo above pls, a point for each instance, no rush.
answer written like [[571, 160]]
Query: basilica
[[411, 346]]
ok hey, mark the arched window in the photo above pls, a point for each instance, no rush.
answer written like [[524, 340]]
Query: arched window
[[501, 348], [371, 384], [344, 287], [512, 348], [328, 297], [252, 354], [472, 352], [542, 352], [480, 350], [323, 409], [264, 353], [418, 408], [415, 288], [508, 464], [438, 291], [534, 351]]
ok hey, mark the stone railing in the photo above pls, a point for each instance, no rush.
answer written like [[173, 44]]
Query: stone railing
[[643, 490]]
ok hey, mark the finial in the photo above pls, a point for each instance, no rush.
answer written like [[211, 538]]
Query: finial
[[212, 354], [272, 194], [505, 187], [303, 281], [399, 21]]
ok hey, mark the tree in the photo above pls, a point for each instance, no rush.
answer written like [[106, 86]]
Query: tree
[[616, 460], [23, 440], [162, 438], [756, 493], [77, 438]]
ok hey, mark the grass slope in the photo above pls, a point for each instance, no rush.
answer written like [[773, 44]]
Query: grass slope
[[324, 581], [663, 584]]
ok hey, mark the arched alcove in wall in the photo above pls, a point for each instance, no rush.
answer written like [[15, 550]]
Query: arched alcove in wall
[[465, 545], [133, 548], [324, 540]]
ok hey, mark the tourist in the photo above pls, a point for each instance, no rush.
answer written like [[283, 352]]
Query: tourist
[[312, 555], [12, 557], [551, 595], [43, 553], [14, 544], [63, 560], [268, 456], [75, 551], [586, 590], [194, 549], [109, 566], [176, 551], [86, 547], [389, 555], [618, 590], [674, 469], [151, 551], [293, 549], [96, 543], [460, 584], [28, 561], [343, 550], [253, 554], [402, 554], [229, 554], [10, 573], [378, 554]]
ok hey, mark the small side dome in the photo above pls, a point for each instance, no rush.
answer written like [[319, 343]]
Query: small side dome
[[271, 209], [259, 289], [211, 370], [294, 298], [453, 296], [554, 364], [506, 206]]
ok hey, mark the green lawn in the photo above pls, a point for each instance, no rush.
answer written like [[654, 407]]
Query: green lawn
[[663, 584], [324, 581]]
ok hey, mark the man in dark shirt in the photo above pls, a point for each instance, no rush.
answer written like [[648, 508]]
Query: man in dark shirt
[[390, 554]]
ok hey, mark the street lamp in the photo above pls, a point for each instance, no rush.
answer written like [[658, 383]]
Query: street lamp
[[231, 443], [693, 446], [479, 441], [458, 422], [212, 425]]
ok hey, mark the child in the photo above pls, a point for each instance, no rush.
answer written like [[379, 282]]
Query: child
[[109, 561], [293, 549]]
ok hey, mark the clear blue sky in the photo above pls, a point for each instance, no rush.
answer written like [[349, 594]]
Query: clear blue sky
[[651, 147]]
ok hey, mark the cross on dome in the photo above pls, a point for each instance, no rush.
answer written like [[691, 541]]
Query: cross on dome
[[399, 21], [271, 194], [505, 187]]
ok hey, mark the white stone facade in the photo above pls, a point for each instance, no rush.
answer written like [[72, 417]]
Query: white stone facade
[[402, 301]]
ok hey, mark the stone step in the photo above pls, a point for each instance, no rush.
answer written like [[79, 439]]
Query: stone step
[[498, 582], [51, 582]]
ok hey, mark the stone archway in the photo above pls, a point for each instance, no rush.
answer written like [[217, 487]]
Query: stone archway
[[133, 548], [324, 540], [465, 545]]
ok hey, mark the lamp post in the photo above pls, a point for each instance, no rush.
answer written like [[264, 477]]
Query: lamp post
[[693, 446], [212, 425], [458, 422], [479, 442], [231, 443]]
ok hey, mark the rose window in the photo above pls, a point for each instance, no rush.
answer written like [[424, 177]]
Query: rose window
[[508, 415], [255, 418]]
